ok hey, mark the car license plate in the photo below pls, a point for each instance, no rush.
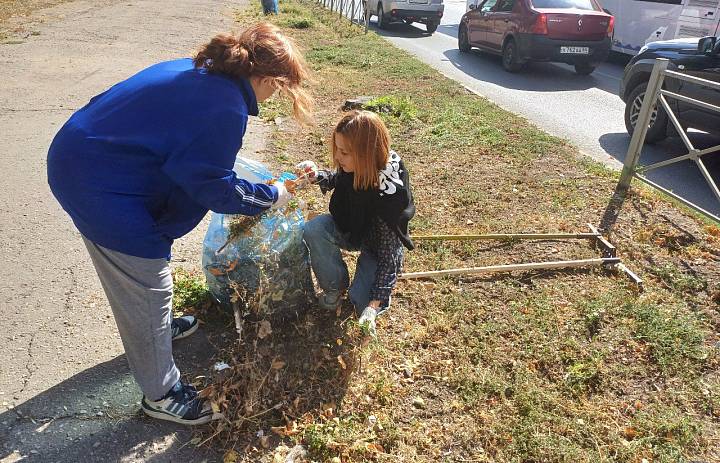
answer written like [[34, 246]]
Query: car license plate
[[575, 50]]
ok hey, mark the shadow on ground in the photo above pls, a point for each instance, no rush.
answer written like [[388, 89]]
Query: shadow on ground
[[683, 178], [95, 416]]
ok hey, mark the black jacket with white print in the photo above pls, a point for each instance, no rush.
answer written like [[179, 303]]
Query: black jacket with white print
[[376, 220]]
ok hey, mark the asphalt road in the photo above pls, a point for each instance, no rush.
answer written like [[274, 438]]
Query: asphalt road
[[583, 109]]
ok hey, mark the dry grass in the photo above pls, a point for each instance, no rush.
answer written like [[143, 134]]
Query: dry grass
[[536, 367]]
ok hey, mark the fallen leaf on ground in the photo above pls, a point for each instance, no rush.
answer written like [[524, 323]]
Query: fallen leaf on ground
[[289, 429], [278, 364], [264, 330], [231, 457], [629, 433]]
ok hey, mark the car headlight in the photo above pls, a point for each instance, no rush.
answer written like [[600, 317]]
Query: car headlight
[[643, 49]]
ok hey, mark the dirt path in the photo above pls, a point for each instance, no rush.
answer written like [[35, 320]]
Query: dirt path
[[65, 390]]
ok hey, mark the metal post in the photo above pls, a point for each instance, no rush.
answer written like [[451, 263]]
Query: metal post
[[341, 9], [367, 15], [352, 12], [641, 127], [332, 5]]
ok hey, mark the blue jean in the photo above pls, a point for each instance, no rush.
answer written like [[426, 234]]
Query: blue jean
[[270, 6], [325, 240]]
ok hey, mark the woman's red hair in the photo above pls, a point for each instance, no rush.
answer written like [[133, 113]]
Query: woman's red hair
[[261, 50]]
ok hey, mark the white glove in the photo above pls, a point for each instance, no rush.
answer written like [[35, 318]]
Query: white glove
[[309, 169], [367, 321], [284, 195]]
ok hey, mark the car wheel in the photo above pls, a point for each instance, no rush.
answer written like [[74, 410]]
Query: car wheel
[[584, 69], [431, 27], [510, 59], [463, 41], [382, 19], [658, 118]]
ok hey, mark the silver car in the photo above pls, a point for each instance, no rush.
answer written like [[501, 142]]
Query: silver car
[[428, 12]]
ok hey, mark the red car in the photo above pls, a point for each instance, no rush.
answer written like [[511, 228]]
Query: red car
[[576, 32]]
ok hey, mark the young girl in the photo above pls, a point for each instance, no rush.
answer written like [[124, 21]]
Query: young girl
[[142, 163], [370, 208]]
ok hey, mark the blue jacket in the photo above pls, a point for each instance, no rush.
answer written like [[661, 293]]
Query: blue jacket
[[142, 163]]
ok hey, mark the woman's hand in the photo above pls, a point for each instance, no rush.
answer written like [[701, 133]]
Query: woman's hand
[[283, 197]]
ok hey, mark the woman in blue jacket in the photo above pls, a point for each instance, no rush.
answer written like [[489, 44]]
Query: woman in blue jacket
[[142, 163]]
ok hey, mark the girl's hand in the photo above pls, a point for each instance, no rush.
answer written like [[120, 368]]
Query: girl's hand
[[367, 321], [307, 170]]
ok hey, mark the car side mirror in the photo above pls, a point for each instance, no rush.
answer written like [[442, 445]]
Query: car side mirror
[[472, 6], [706, 45]]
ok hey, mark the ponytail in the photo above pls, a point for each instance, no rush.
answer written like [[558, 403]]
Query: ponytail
[[261, 51]]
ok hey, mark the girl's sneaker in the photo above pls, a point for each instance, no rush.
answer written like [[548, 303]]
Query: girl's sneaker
[[329, 300], [183, 327], [180, 405]]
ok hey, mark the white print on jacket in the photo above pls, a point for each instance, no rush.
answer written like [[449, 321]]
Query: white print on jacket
[[390, 175]]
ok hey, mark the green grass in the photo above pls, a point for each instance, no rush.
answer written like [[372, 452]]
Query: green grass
[[679, 281], [189, 291], [674, 336], [274, 108], [667, 433], [297, 22], [396, 109]]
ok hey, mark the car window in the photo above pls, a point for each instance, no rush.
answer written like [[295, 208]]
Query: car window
[[579, 4], [487, 5], [505, 5]]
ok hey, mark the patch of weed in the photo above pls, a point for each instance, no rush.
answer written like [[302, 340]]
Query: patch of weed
[[189, 290], [674, 336], [667, 432], [274, 108], [595, 311], [297, 22], [346, 435], [398, 108], [584, 375], [679, 281]]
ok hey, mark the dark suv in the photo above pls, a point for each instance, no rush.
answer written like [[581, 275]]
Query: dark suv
[[696, 57]]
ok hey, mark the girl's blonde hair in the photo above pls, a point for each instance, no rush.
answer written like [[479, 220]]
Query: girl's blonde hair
[[261, 50], [369, 141]]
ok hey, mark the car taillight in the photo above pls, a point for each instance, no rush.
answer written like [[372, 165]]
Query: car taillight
[[611, 26], [541, 25]]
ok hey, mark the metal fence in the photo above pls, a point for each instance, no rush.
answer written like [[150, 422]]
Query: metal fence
[[657, 95], [354, 11]]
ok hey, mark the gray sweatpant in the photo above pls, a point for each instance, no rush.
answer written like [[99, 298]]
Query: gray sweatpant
[[140, 294]]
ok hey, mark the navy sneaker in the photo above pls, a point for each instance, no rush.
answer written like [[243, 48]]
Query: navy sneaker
[[180, 405], [183, 327], [329, 300]]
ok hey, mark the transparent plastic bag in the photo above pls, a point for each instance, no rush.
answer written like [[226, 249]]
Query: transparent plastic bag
[[259, 264]]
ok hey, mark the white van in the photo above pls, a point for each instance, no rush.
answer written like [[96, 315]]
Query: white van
[[638, 22]]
